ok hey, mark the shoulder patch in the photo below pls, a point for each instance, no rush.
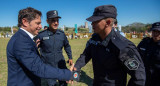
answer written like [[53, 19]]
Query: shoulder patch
[[131, 64]]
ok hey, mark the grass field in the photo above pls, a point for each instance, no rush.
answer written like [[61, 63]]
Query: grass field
[[77, 46]]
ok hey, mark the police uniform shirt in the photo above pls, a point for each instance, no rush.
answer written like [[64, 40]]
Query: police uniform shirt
[[150, 53], [112, 59], [51, 45]]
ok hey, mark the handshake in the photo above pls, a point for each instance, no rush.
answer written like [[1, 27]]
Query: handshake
[[75, 74]]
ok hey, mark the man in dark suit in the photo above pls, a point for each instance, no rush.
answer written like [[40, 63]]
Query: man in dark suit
[[25, 67]]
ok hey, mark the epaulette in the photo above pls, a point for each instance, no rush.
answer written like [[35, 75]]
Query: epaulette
[[119, 41], [120, 44], [42, 31], [60, 30], [146, 38]]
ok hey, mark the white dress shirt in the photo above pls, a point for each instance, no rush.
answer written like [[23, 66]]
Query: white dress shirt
[[30, 35]]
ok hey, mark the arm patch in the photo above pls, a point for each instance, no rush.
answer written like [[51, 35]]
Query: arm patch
[[130, 60], [75, 75], [131, 64]]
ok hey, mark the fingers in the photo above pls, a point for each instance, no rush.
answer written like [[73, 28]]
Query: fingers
[[72, 66], [70, 62], [74, 69], [38, 42], [69, 82]]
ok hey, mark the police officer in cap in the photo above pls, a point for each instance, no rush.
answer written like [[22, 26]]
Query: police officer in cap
[[52, 40], [149, 49], [113, 56]]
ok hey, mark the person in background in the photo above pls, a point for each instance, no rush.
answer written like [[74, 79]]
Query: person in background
[[149, 49], [115, 26], [52, 41], [45, 27], [113, 56]]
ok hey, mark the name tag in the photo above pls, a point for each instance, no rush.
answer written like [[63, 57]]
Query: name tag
[[142, 48], [45, 38]]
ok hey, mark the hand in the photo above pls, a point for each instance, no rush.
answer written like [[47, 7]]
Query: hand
[[74, 69], [37, 42], [71, 69], [70, 62], [72, 66]]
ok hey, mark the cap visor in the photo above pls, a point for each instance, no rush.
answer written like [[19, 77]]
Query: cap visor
[[94, 18], [54, 17], [158, 29]]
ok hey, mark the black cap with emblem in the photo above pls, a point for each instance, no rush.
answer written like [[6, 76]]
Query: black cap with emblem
[[52, 14], [156, 26], [104, 11]]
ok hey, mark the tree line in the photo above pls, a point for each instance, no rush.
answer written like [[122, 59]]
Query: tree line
[[7, 29], [137, 27]]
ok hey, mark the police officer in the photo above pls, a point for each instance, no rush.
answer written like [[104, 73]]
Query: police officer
[[149, 49], [52, 40], [113, 56]]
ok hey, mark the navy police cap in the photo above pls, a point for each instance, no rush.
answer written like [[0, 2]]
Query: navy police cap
[[156, 26], [104, 11], [52, 14]]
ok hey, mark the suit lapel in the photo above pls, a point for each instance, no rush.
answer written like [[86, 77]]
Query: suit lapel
[[28, 37]]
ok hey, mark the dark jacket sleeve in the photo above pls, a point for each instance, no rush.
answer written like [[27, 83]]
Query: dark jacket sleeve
[[138, 75], [28, 56], [67, 47], [84, 57]]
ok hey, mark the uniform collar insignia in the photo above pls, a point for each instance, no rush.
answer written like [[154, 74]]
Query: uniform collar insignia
[[142, 48]]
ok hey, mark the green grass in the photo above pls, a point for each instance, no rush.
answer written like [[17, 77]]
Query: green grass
[[77, 46], [3, 61]]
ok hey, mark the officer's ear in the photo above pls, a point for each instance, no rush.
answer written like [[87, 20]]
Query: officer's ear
[[25, 22], [108, 22]]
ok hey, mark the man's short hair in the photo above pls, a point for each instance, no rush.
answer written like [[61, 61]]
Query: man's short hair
[[29, 13], [112, 20]]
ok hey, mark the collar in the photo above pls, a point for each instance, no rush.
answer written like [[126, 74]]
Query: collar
[[107, 39], [51, 33], [30, 35]]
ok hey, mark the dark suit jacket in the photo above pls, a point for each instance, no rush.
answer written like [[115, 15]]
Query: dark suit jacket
[[24, 64]]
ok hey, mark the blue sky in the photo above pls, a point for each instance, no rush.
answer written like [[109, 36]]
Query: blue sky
[[76, 11]]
